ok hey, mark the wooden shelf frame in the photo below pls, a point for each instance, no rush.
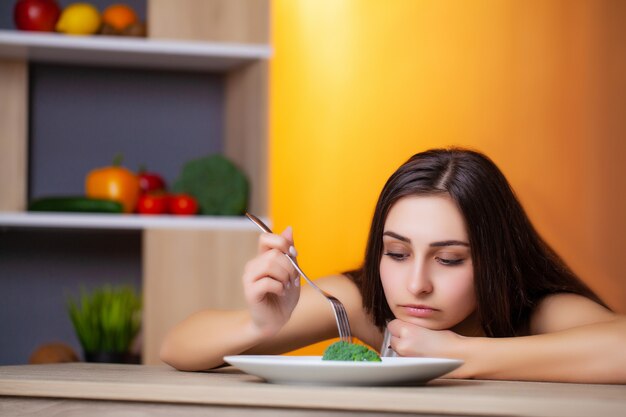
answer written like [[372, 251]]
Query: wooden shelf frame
[[185, 269]]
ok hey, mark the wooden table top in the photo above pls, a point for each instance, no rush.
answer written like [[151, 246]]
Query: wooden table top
[[229, 387]]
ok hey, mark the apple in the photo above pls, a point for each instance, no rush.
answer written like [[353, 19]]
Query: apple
[[150, 182], [36, 15]]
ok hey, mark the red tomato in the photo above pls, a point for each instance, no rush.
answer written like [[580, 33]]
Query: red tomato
[[152, 204], [183, 204], [37, 15], [150, 182]]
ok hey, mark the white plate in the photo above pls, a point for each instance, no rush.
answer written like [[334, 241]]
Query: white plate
[[312, 370]]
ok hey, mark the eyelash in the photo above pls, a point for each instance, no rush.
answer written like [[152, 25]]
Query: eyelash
[[449, 262], [399, 257], [396, 256]]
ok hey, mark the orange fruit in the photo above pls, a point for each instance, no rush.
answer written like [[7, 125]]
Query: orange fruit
[[119, 16]]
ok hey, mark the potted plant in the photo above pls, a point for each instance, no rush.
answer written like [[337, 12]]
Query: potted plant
[[106, 321]]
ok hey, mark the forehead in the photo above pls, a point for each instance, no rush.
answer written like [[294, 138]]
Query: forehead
[[427, 218]]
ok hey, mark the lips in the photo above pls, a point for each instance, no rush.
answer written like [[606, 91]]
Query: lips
[[419, 311]]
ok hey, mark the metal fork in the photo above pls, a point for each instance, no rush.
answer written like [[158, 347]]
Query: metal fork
[[340, 312]]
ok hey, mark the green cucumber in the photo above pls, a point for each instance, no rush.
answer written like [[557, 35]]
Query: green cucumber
[[76, 204]]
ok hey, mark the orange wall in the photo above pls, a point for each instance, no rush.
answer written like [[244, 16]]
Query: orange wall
[[359, 86]]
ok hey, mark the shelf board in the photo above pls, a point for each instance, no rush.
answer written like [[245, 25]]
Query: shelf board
[[128, 51], [123, 221]]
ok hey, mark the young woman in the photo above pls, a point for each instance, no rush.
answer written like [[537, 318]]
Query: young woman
[[453, 268]]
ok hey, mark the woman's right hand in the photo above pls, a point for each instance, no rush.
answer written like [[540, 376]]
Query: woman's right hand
[[271, 283]]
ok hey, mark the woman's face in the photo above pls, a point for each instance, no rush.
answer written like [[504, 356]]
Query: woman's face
[[426, 267]]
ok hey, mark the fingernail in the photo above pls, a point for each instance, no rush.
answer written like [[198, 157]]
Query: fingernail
[[288, 285], [293, 252], [296, 282]]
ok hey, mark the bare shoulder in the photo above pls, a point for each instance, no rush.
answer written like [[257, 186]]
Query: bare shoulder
[[348, 293], [563, 311], [343, 288], [342, 284]]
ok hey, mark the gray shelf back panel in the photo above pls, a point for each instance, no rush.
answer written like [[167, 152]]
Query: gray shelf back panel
[[81, 117], [40, 268]]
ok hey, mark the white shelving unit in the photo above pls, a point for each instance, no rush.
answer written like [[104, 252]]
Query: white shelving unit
[[128, 52]]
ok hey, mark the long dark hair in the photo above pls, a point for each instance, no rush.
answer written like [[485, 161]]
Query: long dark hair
[[513, 267]]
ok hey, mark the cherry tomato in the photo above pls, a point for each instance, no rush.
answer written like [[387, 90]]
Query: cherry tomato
[[153, 204], [183, 204]]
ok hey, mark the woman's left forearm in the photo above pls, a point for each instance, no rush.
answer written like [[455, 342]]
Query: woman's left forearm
[[592, 354]]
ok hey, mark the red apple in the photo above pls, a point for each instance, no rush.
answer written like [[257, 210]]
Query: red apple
[[150, 181], [36, 15]]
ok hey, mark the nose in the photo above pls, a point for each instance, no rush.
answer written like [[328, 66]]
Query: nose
[[419, 281]]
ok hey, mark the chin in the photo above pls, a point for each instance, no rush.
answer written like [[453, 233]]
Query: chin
[[430, 324]]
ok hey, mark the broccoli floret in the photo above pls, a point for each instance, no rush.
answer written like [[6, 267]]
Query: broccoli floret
[[344, 351]]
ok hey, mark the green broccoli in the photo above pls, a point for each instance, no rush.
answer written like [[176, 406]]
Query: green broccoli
[[344, 351]]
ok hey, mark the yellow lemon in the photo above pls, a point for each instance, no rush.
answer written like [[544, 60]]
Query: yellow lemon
[[79, 19]]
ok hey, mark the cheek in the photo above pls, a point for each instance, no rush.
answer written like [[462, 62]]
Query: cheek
[[389, 277], [460, 291]]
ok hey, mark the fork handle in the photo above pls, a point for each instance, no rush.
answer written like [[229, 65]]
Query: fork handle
[[259, 223], [295, 265]]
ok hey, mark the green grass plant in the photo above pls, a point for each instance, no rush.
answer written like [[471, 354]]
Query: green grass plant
[[107, 319]]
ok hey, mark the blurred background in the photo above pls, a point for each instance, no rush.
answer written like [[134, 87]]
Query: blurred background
[[357, 87], [539, 86]]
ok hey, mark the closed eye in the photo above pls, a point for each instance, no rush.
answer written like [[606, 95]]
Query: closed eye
[[449, 262], [396, 256]]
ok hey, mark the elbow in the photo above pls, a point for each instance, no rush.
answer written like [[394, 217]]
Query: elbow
[[167, 354], [611, 364], [619, 352], [181, 358], [170, 354]]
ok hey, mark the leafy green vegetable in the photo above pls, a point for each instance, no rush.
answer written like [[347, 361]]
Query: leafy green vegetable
[[344, 351], [107, 320], [218, 185]]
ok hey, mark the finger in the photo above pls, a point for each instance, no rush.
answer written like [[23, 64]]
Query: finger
[[269, 241], [288, 234], [292, 252], [265, 269], [273, 264], [393, 344], [394, 327], [265, 286], [280, 259]]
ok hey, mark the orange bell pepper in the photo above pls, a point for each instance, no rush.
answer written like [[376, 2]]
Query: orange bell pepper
[[114, 183]]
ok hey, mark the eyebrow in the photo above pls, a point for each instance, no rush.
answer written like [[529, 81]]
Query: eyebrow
[[433, 244]]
